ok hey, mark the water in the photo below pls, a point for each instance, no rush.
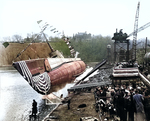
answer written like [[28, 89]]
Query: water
[[16, 96]]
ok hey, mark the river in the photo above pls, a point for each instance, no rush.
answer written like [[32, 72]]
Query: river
[[16, 96]]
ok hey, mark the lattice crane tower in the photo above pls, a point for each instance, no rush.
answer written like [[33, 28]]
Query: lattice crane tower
[[135, 32]]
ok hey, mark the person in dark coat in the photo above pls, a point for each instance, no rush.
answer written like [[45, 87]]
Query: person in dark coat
[[68, 104], [122, 108], [147, 106], [138, 99], [34, 108], [131, 106]]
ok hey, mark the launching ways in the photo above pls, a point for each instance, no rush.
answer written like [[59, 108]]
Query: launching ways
[[80, 85], [123, 72]]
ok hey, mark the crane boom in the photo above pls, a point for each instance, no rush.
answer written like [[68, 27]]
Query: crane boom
[[141, 28], [135, 32]]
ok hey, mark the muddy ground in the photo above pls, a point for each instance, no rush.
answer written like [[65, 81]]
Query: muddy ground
[[87, 100]]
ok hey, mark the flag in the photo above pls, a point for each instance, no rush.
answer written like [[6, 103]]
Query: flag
[[52, 29], [39, 21]]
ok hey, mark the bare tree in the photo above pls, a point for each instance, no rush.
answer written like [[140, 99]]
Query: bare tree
[[33, 36], [7, 39], [17, 38]]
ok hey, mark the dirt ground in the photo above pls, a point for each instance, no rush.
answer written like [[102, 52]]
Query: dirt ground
[[62, 113]]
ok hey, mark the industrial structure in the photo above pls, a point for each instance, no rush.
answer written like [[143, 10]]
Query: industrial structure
[[122, 51], [121, 46]]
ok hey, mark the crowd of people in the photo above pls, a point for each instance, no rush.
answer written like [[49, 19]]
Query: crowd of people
[[131, 102]]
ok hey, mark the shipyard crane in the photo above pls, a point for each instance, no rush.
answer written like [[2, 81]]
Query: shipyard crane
[[135, 32], [123, 37]]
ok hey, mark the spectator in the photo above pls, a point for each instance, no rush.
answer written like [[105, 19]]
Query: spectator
[[147, 106], [103, 94], [98, 91], [126, 104], [138, 99], [34, 108], [122, 107], [68, 104], [131, 106], [108, 97]]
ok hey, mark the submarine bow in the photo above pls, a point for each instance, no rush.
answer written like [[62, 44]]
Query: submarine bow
[[42, 76]]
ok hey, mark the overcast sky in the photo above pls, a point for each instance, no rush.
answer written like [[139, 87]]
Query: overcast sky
[[73, 16]]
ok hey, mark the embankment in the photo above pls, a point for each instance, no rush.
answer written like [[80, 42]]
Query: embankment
[[35, 50]]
